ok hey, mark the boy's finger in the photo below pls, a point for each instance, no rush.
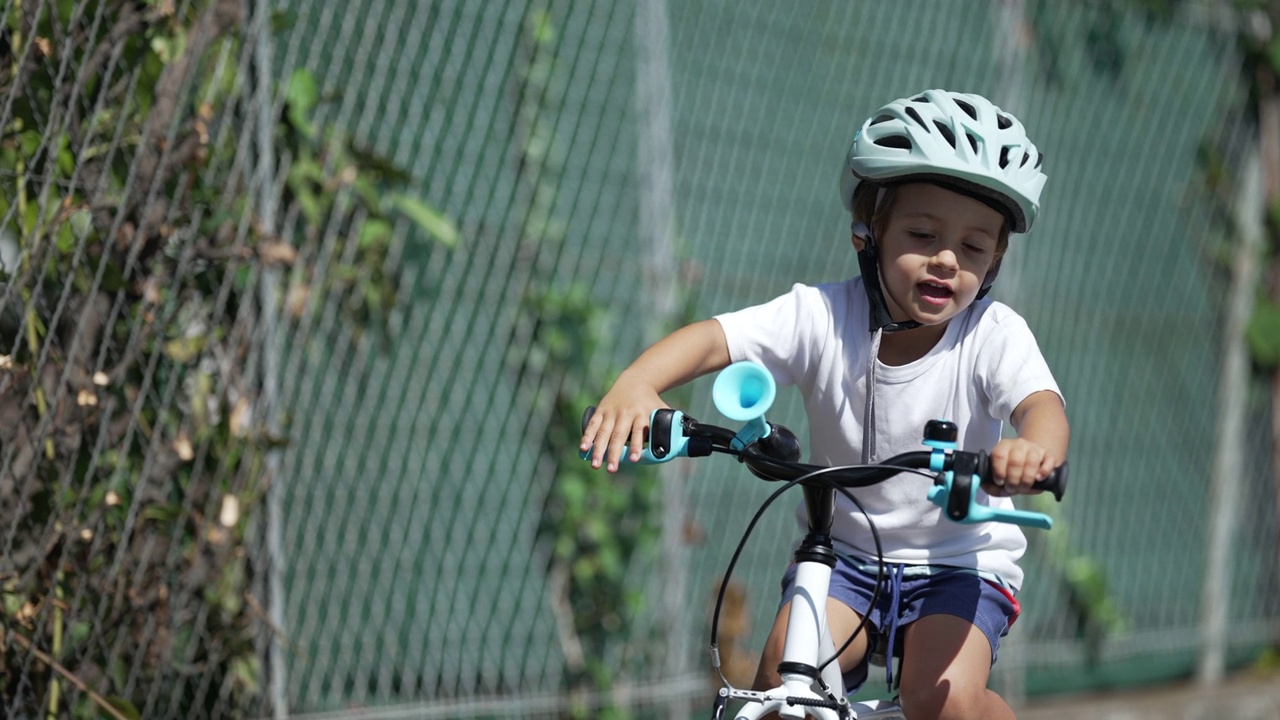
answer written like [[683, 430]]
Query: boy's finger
[[1014, 467], [999, 469], [589, 432], [1047, 466], [617, 444], [600, 443], [638, 432]]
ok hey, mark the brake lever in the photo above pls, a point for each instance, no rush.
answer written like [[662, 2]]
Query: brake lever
[[956, 490], [952, 491]]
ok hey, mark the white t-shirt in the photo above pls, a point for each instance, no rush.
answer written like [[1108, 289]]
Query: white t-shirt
[[986, 363]]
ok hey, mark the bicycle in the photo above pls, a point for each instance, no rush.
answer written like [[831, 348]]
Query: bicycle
[[812, 684]]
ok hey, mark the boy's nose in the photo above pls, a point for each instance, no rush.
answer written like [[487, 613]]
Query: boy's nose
[[945, 258]]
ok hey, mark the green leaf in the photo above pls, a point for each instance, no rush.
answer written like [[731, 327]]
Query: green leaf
[[246, 671], [185, 349], [124, 707], [29, 141], [66, 158], [302, 94], [169, 48], [374, 233], [427, 218], [1273, 52], [162, 513], [113, 277], [368, 159], [368, 192], [1263, 333], [281, 20], [65, 240]]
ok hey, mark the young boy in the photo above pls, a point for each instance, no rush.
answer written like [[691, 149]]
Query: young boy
[[935, 184]]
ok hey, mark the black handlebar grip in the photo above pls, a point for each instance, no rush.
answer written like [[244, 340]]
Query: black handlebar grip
[[586, 416], [1056, 483]]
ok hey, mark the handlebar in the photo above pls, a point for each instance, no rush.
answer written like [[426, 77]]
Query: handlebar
[[745, 390]]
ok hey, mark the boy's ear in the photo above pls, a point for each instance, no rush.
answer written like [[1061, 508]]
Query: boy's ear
[[860, 234]]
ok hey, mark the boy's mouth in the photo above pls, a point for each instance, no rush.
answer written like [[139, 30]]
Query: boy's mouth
[[935, 293]]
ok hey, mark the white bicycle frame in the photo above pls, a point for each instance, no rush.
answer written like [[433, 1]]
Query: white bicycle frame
[[803, 692]]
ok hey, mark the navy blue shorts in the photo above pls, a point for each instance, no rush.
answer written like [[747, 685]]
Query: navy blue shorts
[[944, 591]]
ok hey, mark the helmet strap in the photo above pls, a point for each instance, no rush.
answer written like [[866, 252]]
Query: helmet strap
[[869, 264], [989, 280]]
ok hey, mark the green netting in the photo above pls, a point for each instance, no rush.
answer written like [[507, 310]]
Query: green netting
[[612, 167], [1119, 282]]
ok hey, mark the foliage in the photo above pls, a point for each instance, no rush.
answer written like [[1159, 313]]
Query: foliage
[[595, 524], [1263, 334], [133, 429], [1092, 605]]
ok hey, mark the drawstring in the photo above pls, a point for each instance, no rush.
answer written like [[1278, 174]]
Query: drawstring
[[895, 597], [869, 410]]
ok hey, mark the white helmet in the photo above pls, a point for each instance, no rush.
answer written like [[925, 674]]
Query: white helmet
[[958, 139]]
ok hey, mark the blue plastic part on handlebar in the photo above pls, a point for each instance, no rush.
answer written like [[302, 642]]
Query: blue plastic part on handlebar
[[754, 430], [744, 391], [679, 444], [979, 513]]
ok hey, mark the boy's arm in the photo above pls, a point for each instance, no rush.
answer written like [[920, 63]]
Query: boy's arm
[[687, 353], [1041, 445]]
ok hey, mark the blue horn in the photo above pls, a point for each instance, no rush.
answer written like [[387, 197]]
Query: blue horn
[[744, 391]]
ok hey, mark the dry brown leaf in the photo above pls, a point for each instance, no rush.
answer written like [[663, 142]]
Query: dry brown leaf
[[183, 447], [277, 252]]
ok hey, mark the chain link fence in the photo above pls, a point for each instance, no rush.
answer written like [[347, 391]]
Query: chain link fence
[[300, 302]]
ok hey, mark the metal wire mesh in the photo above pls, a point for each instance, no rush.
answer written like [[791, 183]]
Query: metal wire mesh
[[207, 307]]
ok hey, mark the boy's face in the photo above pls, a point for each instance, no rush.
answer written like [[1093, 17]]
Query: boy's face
[[935, 251]]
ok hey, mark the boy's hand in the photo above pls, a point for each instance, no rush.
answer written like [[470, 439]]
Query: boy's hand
[[620, 423], [1016, 464]]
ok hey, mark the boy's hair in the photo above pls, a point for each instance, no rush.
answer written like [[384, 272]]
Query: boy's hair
[[872, 207]]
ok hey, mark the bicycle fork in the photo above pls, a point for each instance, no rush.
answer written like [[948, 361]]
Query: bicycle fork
[[808, 641]]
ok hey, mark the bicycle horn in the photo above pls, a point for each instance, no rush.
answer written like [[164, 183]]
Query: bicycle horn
[[744, 391]]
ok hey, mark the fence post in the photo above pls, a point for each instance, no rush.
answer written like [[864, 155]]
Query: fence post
[[1228, 466], [263, 102], [656, 169]]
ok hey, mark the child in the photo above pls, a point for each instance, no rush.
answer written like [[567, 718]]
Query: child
[[935, 184]]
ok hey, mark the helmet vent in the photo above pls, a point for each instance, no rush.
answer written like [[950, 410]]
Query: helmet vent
[[967, 108], [1003, 121], [973, 142], [882, 119], [916, 116], [1004, 157], [946, 133], [900, 142]]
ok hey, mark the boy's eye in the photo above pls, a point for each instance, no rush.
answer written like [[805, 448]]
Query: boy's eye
[[975, 248]]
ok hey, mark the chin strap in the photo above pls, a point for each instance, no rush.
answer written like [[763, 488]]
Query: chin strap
[[869, 264], [880, 323], [989, 280]]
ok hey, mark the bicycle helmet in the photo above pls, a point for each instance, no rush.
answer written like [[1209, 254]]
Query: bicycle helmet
[[957, 139]]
